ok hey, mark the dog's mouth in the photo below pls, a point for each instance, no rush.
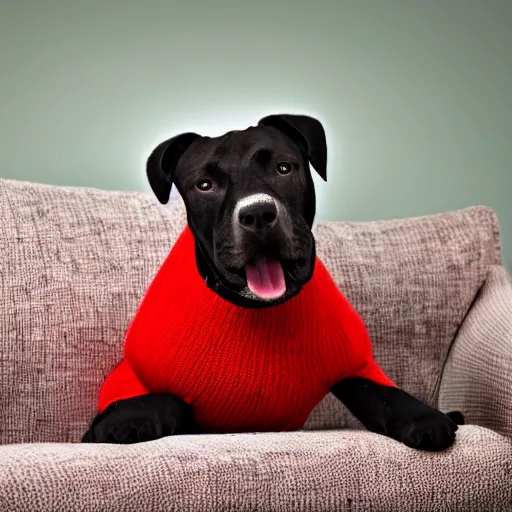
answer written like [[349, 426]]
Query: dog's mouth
[[262, 273], [265, 277]]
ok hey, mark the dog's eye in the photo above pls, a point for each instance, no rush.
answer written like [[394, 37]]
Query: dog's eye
[[284, 168], [204, 185]]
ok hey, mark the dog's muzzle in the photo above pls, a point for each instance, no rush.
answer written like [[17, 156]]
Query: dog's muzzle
[[257, 214], [255, 217]]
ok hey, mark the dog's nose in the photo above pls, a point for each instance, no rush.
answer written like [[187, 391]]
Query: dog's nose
[[258, 217]]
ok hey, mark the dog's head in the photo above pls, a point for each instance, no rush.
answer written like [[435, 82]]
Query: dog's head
[[250, 204]]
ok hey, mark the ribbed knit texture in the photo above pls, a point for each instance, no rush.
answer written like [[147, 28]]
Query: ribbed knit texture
[[241, 369]]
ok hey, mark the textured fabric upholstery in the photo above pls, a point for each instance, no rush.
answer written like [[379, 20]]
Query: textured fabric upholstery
[[74, 265], [348, 470], [477, 378]]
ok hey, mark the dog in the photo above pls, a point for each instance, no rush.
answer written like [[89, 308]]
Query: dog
[[250, 202]]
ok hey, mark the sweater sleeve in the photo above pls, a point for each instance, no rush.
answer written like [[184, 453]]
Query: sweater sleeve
[[122, 383], [357, 347], [350, 348]]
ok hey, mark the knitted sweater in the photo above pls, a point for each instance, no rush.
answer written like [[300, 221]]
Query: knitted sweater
[[241, 369]]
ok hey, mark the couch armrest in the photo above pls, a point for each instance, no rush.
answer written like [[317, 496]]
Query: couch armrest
[[477, 378]]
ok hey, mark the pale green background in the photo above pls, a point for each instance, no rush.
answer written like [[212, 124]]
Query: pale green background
[[416, 96]]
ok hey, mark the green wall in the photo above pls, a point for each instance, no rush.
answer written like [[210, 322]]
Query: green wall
[[416, 95]]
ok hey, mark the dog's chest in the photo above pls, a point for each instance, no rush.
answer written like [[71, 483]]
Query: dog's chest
[[239, 369]]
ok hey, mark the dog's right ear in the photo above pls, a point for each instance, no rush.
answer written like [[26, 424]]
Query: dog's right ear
[[162, 163]]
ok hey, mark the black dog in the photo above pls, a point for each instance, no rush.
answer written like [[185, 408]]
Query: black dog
[[250, 202]]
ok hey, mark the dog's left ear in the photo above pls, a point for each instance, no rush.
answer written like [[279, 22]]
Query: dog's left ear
[[305, 131], [162, 163]]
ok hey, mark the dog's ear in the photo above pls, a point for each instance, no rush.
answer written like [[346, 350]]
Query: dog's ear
[[162, 163], [305, 131]]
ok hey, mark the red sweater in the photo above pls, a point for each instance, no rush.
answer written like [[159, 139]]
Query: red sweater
[[241, 369]]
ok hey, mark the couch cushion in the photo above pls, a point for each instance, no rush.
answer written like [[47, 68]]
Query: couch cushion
[[292, 472], [74, 265]]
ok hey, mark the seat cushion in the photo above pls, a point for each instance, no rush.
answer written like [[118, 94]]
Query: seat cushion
[[303, 471]]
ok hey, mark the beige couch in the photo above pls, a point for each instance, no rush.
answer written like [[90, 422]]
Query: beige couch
[[74, 265]]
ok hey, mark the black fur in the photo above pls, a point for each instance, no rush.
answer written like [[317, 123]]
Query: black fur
[[396, 414], [238, 164], [142, 418]]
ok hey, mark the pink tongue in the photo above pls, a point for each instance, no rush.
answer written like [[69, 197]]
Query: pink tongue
[[265, 278]]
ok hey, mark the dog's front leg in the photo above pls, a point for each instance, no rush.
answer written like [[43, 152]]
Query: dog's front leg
[[129, 413], [141, 418], [394, 413]]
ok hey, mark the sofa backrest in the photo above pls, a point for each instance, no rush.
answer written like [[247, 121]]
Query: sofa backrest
[[74, 265]]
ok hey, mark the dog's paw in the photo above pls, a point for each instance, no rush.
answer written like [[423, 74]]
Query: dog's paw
[[138, 427], [433, 431], [128, 431], [139, 419]]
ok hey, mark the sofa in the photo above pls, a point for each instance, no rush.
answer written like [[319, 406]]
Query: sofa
[[74, 265]]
